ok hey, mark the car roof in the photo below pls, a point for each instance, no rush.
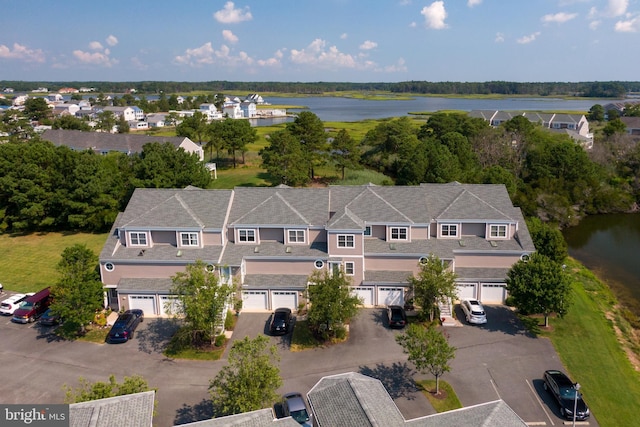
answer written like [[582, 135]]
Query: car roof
[[283, 310], [14, 298], [560, 377], [295, 401]]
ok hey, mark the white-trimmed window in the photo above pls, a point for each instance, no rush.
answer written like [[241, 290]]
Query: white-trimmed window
[[296, 236], [367, 231], [247, 235], [349, 268], [189, 239], [498, 231], [346, 241], [138, 238], [398, 233], [449, 230]]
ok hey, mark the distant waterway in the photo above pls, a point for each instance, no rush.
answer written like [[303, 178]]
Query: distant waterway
[[609, 245]]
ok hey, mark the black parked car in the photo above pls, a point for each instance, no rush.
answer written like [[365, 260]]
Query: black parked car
[[49, 318], [280, 321], [564, 391], [397, 316], [124, 327]]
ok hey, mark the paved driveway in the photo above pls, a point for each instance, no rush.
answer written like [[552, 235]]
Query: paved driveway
[[494, 361]]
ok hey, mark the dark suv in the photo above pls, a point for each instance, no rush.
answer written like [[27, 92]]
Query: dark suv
[[280, 321], [124, 327], [397, 316], [566, 394]]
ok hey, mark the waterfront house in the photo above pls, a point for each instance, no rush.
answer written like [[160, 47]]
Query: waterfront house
[[268, 241]]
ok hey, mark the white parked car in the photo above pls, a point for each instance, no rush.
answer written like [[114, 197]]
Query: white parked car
[[473, 311], [11, 304]]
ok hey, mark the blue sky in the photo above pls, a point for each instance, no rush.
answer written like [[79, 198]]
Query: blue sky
[[320, 40]]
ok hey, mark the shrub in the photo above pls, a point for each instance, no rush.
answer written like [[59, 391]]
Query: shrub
[[220, 340], [229, 321]]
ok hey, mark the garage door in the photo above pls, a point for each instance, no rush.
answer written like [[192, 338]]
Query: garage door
[[284, 299], [390, 296], [254, 300], [169, 306], [467, 290], [493, 293], [146, 303], [365, 294]]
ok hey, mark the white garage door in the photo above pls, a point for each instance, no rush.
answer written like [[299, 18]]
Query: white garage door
[[284, 299], [467, 290], [365, 294], [146, 303], [493, 293], [390, 296], [169, 305], [254, 300]]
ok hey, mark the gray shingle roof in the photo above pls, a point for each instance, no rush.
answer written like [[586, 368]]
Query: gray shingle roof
[[102, 141], [259, 418], [131, 410], [496, 413], [234, 253], [353, 400]]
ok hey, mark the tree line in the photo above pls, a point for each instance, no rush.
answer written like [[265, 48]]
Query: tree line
[[44, 187], [615, 89]]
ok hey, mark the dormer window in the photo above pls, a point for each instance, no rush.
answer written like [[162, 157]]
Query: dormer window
[[498, 231], [247, 235], [296, 236], [398, 233], [449, 230], [189, 239], [138, 238]]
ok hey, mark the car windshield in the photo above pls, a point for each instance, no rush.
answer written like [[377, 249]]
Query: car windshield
[[568, 392], [26, 305], [477, 312], [396, 315], [300, 416]]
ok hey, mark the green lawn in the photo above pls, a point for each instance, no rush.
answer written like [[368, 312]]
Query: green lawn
[[28, 262], [587, 344]]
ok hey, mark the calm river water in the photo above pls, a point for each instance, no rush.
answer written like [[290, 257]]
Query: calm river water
[[609, 245], [330, 109]]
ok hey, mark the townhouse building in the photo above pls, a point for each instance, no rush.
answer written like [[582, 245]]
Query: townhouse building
[[268, 241]]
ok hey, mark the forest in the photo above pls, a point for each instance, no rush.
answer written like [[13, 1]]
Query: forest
[[612, 89]]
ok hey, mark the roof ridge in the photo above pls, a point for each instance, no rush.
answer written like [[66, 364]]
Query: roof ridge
[[188, 209], [467, 191], [370, 189]]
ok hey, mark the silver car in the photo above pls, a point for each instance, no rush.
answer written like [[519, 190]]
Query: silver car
[[473, 311]]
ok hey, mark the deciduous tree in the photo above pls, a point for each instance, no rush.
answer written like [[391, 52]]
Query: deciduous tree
[[547, 239], [345, 152], [202, 300], [250, 380], [284, 160], [428, 349], [539, 285], [434, 282], [331, 302], [78, 293], [100, 390]]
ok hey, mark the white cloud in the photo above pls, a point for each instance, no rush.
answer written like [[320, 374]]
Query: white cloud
[[368, 45], [560, 17], [229, 36], [95, 46], [95, 58], [317, 54], [528, 39], [593, 25], [138, 64], [398, 67], [434, 15], [112, 40], [230, 15], [21, 52], [274, 61], [617, 7], [197, 56], [344, 36], [472, 3], [631, 25], [499, 38], [413, 25]]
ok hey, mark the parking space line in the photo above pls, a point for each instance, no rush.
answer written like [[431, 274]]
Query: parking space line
[[533, 391]]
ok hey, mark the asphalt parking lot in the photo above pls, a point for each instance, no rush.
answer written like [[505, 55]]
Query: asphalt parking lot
[[493, 361]]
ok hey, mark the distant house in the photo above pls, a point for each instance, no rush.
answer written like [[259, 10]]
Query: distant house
[[249, 109], [576, 126], [104, 143], [632, 124], [68, 90], [138, 125], [65, 109], [210, 111], [254, 97], [232, 111], [156, 120], [128, 113]]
